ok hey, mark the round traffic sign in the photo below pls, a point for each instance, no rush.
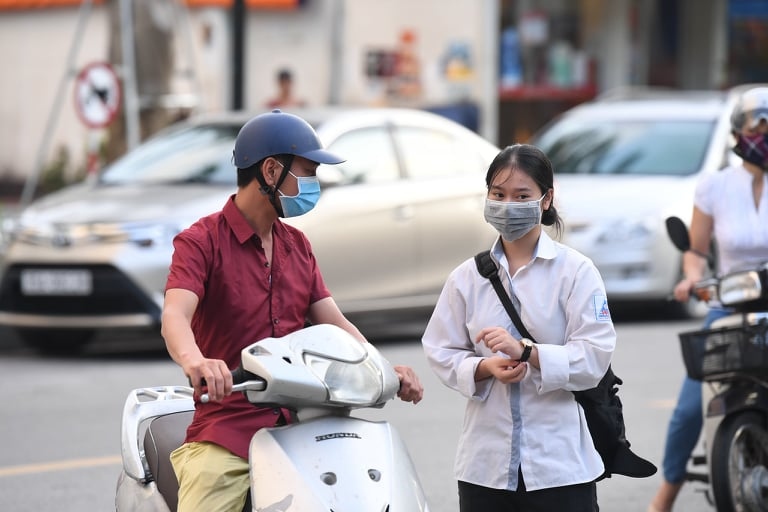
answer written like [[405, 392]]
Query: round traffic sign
[[97, 95]]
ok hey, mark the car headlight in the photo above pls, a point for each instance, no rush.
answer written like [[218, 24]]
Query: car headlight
[[626, 231], [8, 228], [740, 287], [65, 235], [350, 383], [148, 235]]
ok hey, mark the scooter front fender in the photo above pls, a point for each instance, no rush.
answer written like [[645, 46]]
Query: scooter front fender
[[333, 463], [735, 397]]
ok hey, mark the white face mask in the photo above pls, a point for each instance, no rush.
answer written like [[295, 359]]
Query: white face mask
[[513, 219]]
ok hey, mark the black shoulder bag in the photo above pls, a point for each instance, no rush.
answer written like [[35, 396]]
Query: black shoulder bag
[[602, 407]]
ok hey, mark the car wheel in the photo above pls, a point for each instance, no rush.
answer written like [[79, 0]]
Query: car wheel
[[56, 341]]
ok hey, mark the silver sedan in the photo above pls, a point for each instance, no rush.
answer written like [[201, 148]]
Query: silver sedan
[[392, 222]]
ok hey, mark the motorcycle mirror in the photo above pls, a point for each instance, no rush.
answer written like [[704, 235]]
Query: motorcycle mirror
[[678, 233]]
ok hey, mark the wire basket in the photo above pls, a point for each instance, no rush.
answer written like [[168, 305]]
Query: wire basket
[[715, 353]]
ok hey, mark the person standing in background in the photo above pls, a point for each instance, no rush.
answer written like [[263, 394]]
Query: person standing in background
[[285, 95]]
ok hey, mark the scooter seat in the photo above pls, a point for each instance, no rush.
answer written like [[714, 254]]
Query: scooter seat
[[165, 434]]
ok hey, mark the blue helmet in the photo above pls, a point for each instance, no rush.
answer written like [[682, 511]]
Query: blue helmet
[[279, 133]]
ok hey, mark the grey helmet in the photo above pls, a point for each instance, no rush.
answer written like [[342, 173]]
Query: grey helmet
[[279, 133], [752, 105]]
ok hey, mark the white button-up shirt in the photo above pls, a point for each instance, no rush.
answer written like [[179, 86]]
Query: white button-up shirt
[[536, 424]]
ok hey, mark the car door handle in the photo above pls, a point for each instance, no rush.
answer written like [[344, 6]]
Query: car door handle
[[404, 212]]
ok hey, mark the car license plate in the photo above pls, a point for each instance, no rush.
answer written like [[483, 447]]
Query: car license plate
[[56, 282]]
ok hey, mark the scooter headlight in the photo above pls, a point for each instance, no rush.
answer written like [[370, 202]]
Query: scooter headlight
[[740, 287], [357, 383]]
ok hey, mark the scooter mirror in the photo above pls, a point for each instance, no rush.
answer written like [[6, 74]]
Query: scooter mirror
[[678, 233]]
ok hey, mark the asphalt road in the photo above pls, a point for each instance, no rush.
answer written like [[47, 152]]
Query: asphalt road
[[59, 428]]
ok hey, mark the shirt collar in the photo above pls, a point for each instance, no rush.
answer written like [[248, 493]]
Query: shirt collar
[[236, 220], [244, 232], [545, 249]]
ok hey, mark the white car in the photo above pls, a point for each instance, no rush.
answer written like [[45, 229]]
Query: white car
[[392, 222], [623, 164]]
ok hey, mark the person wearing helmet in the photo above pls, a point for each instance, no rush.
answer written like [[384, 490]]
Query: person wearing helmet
[[732, 207], [240, 275]]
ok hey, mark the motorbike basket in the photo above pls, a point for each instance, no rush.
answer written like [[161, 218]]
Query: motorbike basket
[[718, 353]]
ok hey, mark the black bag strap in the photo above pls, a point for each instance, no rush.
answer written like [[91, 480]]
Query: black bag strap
[[488, 269]]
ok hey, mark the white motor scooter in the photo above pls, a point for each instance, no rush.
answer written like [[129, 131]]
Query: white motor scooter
[[731, 360], [325, 460]]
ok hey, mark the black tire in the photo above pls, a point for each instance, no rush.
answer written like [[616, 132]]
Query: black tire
[[56, 341], [739, 449]]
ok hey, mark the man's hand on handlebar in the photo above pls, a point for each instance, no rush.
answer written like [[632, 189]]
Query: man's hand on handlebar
[[210, 376], [411, 389]]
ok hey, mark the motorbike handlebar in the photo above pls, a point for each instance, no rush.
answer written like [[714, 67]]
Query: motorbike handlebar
[[242, 380]]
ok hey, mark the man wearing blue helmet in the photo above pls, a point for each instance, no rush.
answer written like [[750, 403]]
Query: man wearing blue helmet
[[240, 275]]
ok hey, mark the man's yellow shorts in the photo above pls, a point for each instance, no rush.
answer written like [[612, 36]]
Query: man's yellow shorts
[[211, 478]]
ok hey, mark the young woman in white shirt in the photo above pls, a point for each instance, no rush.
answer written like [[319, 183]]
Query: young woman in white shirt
[[525, 445], [732, 207]]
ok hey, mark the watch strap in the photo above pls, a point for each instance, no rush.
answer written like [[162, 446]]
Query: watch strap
[[527, 348]]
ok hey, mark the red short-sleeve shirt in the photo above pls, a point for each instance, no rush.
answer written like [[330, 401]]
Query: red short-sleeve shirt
[[242, 300]]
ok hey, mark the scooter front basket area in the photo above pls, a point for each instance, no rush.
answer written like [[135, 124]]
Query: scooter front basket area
[[715, 353]]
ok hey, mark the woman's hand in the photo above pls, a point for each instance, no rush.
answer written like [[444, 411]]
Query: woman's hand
[[683, 289], [498, 339], [505, 370], [411, 389]]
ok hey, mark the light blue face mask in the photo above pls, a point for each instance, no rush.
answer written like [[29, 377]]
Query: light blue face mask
[[305, 200]]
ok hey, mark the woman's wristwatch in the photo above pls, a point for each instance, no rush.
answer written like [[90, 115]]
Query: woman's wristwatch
[[527, 347]]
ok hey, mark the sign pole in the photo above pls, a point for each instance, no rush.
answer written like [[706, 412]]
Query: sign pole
[[127, 42], [30, 185], [93, 158]]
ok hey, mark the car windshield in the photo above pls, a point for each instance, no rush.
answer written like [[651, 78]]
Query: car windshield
[[186, 154], [643, 147]]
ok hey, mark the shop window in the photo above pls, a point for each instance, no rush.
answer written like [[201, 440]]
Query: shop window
[[545, 65], [747, 41], [542, 51]]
